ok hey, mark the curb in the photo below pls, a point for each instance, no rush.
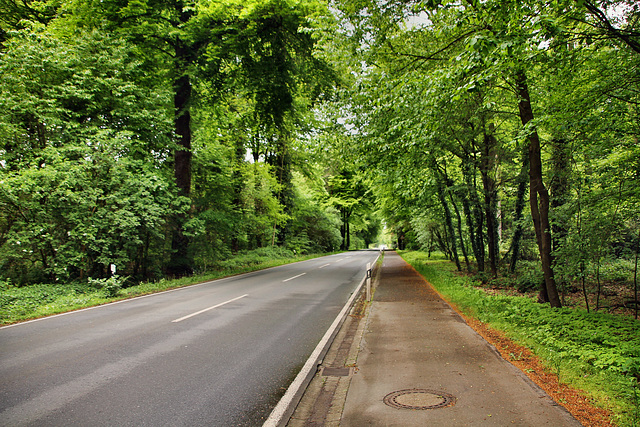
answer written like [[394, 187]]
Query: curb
[[282, 412]]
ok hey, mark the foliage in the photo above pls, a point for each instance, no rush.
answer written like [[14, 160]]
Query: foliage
[[110, 285], [595, 350], [80, 211], [96, 127], [459, 108]]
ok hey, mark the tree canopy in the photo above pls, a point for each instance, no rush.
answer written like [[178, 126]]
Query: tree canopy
[[163, 136]]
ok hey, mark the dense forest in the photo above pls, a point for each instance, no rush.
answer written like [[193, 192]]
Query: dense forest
[[163, 136]]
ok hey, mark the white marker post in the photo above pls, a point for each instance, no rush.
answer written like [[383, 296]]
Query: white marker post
[[368, 281]]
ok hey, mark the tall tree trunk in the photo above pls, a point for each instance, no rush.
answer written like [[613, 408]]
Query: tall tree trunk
[[344, 230], [489, 187], [180, 263], [517, 215], [238, 184], [559, 188], [348, 245], [281, 162], [447, 217], [473, 211], [463, 247], [635, 279], [460, 235], [538, 194]]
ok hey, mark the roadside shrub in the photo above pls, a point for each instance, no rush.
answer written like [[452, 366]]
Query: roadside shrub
[[254, 257], [111, 286]]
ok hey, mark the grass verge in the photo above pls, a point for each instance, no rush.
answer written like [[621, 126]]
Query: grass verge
[[30, 302], [597, 353]]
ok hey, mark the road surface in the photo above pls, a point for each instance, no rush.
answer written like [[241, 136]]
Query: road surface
[[217, 354]]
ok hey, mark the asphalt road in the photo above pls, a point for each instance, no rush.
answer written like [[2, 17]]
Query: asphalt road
[[216, 354]]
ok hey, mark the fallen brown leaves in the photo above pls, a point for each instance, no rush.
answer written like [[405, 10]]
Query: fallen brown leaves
[[575, 401]]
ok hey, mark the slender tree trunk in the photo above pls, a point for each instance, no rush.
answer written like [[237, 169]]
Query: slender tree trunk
[[538, 194], [583, 251], [448, 221], [559, 188], [466, 208], [474, 215], [635, 279], [401, 239], [237, 191], [489, 187], [452, 194], [348, 245], [517, 216], [344, 230], [281, 162], [463, 247], [599, 286]]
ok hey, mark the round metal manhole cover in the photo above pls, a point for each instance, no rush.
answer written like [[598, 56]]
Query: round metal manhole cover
[[419, 399]]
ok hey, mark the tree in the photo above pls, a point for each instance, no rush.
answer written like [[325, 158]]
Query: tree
[[418, 99], [82, 186]]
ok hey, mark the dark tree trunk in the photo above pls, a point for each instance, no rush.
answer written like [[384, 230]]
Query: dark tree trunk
[[281, 162], [559, 188], [180, 263], [344, 230], [473, 210], [182, 155], [447, 219], [523, 181], [348, 245], [237, 191], [401, 240], [489, 187], [538, 194], [635, 279], [463, 247]]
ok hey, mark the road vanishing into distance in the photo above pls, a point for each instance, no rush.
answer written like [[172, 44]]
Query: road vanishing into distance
[[220, 353]]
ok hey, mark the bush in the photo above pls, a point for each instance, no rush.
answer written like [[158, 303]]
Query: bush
[[254, 257], [617, 270], [529, 278], [111, 286]]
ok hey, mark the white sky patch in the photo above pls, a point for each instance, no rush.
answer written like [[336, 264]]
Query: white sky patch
[[418, 21]]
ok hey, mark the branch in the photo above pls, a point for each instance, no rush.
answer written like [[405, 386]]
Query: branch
[[433, 55], [626, 37]]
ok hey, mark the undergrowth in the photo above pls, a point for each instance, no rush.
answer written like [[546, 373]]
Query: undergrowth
[[33, 301], [596, 352]]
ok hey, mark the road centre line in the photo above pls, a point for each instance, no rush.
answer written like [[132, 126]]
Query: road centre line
[[207, 309], [323, 266], [294, 277]]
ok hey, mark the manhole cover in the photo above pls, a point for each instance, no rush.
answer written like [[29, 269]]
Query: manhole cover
[[416, 398]]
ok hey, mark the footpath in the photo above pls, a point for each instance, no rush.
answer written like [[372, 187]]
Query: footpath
[[408, 359]]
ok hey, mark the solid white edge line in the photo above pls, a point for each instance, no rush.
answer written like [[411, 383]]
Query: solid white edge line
[[294, 277], [301, 380], [207, 309]]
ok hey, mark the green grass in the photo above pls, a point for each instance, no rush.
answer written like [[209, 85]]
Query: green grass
[[598, 353], [34, 301]]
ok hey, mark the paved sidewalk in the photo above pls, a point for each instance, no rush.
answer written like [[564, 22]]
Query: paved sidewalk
[[411, 350]]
